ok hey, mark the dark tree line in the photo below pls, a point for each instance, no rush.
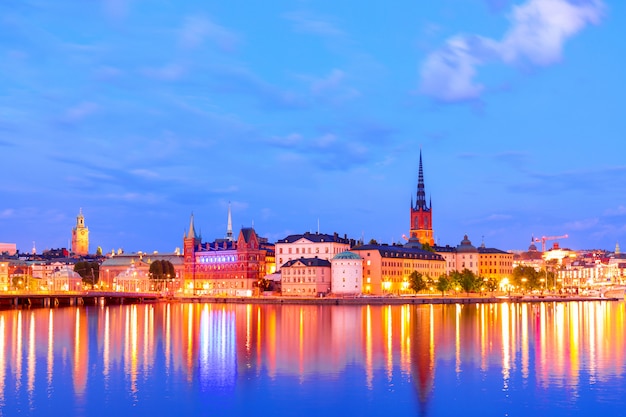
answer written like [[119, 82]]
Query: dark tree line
[[465, 280]]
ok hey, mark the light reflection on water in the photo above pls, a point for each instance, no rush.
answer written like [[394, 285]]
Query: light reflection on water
[[236, 359]]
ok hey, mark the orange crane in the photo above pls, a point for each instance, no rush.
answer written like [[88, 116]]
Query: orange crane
[[543, 240]]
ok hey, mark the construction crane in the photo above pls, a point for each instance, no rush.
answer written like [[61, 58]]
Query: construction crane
[[543, 240]]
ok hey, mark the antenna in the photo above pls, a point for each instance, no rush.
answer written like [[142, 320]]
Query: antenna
[[318, 225]]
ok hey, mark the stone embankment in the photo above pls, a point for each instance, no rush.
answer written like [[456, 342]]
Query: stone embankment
[[386, 300]]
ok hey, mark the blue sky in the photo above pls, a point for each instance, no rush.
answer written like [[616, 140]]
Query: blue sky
[[302, 113]]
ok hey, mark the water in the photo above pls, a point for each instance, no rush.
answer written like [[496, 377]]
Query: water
[[556, 359]]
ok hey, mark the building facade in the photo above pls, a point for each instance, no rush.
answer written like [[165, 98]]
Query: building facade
[[421, 213], [494, 263], [80, 236], [386, 269], [225, 267], [347, 274], [306, 277], [310, 245]]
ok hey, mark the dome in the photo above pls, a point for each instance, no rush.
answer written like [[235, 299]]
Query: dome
[[347, 255], [466, 246]]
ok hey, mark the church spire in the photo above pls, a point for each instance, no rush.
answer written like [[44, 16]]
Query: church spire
[[421, 193], [229, 228]]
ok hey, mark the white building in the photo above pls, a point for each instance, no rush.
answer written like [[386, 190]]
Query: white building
[[347, 274], [309, 245]]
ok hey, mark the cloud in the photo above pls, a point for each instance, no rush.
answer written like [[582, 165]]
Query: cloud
[[541, 27], [618, 211], [79, 112], [197, 29], [307, 22], [170, 72], [583, 224], [448, 74], [240, 80], [537, 34], [7, 213], [332, 87]]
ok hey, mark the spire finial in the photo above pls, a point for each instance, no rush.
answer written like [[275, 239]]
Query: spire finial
[[229, 227]]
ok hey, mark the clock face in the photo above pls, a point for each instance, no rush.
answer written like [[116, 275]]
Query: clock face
[[82, 232]]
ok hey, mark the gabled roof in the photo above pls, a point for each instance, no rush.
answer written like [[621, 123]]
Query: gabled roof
[[247, 233], [308, 262]]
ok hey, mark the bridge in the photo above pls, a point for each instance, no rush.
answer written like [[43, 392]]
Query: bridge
[[21, 300]]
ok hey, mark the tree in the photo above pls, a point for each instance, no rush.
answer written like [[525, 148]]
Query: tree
[[526, 278], [20, 282], [491, 284], [416, 281], [88, 271], [444, 283], [373, 242], [161, 271], [426, 246], [468, 281], [263, 284]]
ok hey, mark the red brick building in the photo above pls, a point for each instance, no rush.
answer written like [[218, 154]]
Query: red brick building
[[225, 266]]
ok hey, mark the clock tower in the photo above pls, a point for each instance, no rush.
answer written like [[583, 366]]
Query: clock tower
[[80, 236]]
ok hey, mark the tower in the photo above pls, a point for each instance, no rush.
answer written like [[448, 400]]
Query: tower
[[80, 236], [421, 213], [191, 243]]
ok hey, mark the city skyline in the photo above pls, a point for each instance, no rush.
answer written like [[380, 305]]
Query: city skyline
[[309, 117]]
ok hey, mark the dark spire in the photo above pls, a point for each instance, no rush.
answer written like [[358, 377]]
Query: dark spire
[[421, 193]]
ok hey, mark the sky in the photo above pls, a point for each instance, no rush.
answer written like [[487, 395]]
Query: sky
[[311, 116]]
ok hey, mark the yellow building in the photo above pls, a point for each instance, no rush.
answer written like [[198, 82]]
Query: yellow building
[[386, 269], [80, 236], [494, 263]]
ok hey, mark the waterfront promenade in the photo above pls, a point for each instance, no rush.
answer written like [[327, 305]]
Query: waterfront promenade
[[28, 300]]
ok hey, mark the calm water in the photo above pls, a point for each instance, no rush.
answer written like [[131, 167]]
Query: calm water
[[552, 359]]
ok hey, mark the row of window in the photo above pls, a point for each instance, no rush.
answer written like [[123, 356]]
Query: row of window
[[300, 271], [300, 280]]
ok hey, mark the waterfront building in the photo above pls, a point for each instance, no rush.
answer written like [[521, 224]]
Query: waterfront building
[[308, 277], [494, 263], [421, 213], [4, 276], [128, 271], [80, 236], [63, 279], [386, 269], [310, 245], [463, 256], [225, 267], [347, 274]]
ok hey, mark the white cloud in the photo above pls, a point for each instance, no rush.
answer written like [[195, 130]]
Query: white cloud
[[197, 28], [537, 34], [540, 28], [448, 74]]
